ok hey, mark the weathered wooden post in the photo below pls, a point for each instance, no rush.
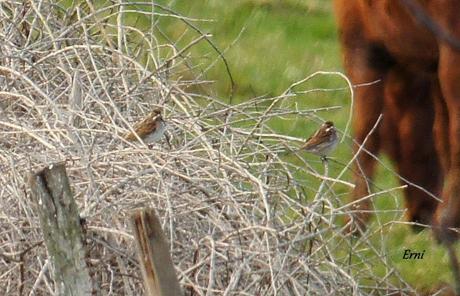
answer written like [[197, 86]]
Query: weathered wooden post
[[60, 223], [153, 252]]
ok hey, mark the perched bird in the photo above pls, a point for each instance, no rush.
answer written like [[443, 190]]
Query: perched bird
[[150, 129], [323, 142]]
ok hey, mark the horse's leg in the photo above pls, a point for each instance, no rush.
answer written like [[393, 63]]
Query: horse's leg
[[364, 62], [448, 214], [408, 102], [441, 128]]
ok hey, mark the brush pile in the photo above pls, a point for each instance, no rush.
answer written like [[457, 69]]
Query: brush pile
[[239, 219]]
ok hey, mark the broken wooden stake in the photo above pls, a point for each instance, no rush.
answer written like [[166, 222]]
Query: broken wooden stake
[[60, 224], [153, 252]]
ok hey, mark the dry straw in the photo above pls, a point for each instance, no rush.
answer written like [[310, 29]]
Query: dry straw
[[239, 219]]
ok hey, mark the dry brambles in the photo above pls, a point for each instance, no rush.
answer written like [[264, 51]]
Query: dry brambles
[[239, 218]]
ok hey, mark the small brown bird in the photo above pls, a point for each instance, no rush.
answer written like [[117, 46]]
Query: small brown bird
[[150, 129], [323, 142]]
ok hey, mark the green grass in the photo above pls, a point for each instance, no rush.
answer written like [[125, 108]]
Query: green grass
[[272, 44], [269, 46], [275, 45]]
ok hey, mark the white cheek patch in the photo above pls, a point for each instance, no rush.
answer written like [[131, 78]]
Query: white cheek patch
[[329, 129]]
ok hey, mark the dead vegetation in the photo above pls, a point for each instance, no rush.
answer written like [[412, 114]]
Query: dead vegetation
[[239, 219]]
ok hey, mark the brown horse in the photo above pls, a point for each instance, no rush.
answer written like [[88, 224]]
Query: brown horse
[[410, 48]]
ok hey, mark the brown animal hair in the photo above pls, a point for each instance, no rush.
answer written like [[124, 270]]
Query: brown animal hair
[[416, 64]]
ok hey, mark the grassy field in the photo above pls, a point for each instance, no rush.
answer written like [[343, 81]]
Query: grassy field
[[270, 45]]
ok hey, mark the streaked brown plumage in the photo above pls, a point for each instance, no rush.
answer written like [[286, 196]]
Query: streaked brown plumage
[[323, 142], [150, 129]]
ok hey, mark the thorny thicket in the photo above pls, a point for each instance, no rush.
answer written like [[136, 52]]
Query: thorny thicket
[[239, 219]]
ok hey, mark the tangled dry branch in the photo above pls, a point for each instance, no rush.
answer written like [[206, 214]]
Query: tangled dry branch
[[239, 219]]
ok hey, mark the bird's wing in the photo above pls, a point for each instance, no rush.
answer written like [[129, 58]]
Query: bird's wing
[[143, 128]]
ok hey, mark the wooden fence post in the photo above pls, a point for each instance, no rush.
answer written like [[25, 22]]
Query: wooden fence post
[[153, 252], [60, 223]]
